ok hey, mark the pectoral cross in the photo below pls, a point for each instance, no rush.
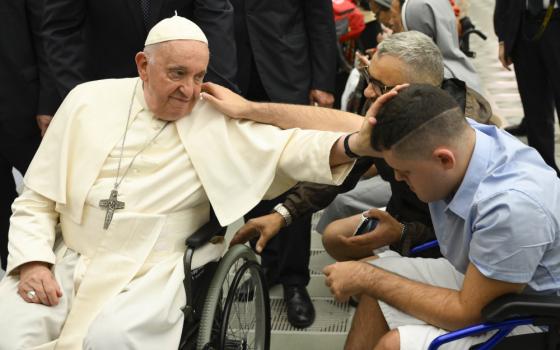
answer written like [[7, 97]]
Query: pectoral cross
[[110, 205]]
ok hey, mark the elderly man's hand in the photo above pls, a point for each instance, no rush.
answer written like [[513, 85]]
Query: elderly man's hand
[[346, 278], [321, 98], [226, 101], [36, 277], [387, 231], [264, 227], [361, 144]]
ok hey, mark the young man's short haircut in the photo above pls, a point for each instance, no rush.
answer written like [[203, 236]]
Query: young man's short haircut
[[417, 120]]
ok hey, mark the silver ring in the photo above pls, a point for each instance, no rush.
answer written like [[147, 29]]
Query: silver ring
[[31, 294]]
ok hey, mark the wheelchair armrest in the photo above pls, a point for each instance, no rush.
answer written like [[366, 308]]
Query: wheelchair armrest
[[468, 33], [424, 246], [519, 305], [205, 233]]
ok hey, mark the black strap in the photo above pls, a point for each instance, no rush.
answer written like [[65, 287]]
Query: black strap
[[347, 149]]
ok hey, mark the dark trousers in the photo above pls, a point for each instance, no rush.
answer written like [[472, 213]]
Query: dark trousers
[[17, 152], [286, 256], [537, 69]]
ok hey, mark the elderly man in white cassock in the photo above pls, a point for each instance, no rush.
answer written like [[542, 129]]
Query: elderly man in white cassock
[[127, 170]]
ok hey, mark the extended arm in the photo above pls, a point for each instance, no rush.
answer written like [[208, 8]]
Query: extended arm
[[441, 307], [306, 197], [32, 230], [31, 240], [284, 116], [302, 199]]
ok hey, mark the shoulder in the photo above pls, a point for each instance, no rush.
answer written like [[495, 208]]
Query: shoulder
[[513, 210], [98, 94], [104, 87]]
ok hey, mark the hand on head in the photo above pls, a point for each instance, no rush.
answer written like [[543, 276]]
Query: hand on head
[[225, 100], [361, 144]]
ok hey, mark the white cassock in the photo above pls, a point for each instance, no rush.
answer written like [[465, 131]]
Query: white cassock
[[123, 286]]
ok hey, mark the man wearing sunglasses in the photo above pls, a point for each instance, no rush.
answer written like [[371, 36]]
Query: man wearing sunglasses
[[375, 84]]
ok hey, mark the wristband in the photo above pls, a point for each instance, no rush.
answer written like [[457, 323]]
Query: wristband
[[347, 149]]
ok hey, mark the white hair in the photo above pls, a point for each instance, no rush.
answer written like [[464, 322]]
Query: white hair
[[419, 53]]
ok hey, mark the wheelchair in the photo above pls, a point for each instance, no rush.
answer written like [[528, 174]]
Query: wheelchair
[[504, 314], [468, 29], [218, 314]]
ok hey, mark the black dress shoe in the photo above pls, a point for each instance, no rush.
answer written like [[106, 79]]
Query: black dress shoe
[[301, 312], [517, 130]]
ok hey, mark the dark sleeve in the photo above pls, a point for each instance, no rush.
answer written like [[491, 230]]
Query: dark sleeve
[[500, 10], [319, 23], [49, 99], [66, 52], [215, 17], [416, 234], [306, 197]]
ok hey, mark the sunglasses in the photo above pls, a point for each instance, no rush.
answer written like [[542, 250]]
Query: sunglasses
[[378, 86]]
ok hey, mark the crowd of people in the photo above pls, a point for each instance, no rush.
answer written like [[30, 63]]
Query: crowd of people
[[133, 121]]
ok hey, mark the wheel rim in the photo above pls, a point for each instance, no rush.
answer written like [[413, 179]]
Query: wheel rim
[[244, 324]]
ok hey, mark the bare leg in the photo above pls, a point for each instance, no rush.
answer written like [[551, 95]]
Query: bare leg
[[390, 341], [368, 325]]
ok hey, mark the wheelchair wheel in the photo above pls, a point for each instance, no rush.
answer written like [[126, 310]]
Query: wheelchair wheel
[[232, 318]]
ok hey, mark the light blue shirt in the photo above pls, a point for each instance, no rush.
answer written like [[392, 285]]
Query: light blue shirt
[[505, 216]]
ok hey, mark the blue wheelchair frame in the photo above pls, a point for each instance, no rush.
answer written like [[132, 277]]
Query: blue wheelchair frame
[[504, 314]]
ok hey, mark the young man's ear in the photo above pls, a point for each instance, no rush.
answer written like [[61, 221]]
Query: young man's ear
[[141, 64], [445, 157]]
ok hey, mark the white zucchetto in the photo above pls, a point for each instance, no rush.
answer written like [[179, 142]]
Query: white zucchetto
[[175, 28]]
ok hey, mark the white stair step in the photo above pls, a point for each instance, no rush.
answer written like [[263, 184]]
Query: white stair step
[[329, 331]]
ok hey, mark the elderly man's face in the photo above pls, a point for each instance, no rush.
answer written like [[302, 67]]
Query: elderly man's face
[[172, 77], [385, 71]]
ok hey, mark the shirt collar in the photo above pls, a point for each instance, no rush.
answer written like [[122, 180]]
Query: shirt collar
[[461, 202]]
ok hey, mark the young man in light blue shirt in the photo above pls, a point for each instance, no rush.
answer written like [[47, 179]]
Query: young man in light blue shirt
[[495, 206]]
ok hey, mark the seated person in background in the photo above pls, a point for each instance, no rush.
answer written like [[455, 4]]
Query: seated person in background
[[495, 209], [130, 168], [408, 57], [436, 19]]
